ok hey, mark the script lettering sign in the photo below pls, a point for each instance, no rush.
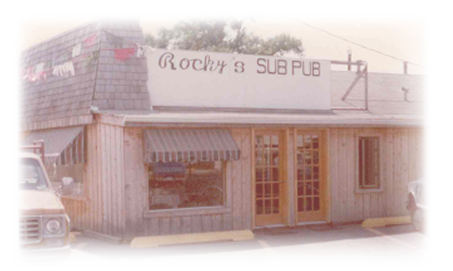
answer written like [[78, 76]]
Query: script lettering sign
[[206, 79]]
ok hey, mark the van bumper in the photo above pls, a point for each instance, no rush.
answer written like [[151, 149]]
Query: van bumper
[[45, 256]]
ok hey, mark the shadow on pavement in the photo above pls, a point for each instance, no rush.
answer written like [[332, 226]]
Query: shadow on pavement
[[274, 237]]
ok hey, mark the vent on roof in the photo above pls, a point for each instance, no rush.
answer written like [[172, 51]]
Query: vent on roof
[[406, 92]]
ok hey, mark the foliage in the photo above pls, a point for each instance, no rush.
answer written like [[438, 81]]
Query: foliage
[[220, 36]]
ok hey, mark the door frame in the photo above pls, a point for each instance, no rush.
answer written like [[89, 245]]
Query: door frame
[[325, 172], [284, 174]]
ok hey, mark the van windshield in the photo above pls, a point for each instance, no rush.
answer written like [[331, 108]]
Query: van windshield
[[31, 176]]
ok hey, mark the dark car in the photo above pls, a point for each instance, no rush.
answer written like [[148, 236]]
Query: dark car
[[415, 203]]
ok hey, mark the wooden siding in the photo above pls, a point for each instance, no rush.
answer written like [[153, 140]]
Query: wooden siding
[[102, 208], [116, 202], [235, 215], [400, 149]]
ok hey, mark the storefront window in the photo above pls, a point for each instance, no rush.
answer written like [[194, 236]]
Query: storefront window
[[184, 185]]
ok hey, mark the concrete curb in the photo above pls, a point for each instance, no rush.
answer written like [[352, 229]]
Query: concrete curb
[[72, 238], [192, 238], [73, 235], [386, 221]]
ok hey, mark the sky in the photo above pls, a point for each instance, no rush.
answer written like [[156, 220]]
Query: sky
[[403, 40]]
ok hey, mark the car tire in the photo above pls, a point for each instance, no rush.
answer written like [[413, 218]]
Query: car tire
[[417, 219]]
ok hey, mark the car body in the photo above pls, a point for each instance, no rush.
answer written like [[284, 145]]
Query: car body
[[416, 203], [44, 224]]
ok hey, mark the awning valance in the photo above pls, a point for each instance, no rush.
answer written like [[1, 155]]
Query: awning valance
[[65, 146], [189, 145]]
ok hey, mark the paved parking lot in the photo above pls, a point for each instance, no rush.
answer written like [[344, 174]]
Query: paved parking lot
[[339, 240]]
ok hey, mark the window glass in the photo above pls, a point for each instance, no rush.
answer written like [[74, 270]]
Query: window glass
[[369, 163], [185, 185], [67, 180], [31, 175]]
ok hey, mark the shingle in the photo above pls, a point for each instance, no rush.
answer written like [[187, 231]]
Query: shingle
[[73, 95]]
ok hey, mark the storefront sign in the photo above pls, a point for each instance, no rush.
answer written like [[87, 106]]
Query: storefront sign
[[205, 79]]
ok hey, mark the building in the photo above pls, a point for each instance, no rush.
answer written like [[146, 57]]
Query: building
[[166, 142]]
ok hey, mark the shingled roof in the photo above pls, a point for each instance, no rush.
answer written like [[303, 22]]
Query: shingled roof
[[99, 78], [385, 93]]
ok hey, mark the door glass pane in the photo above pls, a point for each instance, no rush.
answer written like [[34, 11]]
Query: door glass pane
[[316, 188], [275, 175], [307, 143], [308, 206], [315, 142], [307, 157], [315, 157], [259, 141], [267, 190], [300, 141], [275, 158], [300, 189], [276, 206], [275, 142], [276, 190], [259, 175], [267, 157], [307, 173], [259, 207], [267, 142], [300, 158], [259, 190], [316, 172], [300, 174], [259, 157], [308, 188], [316, 204], [300, 204], [267, 174], [267, 206]]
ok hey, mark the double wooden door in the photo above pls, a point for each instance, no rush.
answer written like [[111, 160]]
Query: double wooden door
[[271, 172]]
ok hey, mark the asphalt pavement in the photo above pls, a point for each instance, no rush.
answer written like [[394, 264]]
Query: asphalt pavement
[[318, 245]]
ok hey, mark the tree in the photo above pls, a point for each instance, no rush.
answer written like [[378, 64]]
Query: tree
[[220, 36]]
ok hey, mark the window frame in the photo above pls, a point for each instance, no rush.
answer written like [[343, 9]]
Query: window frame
[[202, 210], [380, 187]]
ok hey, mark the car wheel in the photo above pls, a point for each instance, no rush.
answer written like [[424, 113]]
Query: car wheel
[[417, 219]]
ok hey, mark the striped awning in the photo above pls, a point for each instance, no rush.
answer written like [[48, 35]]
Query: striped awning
[[65, 146], [189, 145]]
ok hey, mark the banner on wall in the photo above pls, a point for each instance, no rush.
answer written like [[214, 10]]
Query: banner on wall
[[205, 79]]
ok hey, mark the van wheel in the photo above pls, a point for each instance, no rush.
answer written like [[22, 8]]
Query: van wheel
[[417, 219]]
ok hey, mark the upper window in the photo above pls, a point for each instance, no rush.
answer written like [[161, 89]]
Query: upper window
[[368, 166], [183, 185]]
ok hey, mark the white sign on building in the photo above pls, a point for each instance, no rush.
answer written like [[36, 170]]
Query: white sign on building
[[205, 79]]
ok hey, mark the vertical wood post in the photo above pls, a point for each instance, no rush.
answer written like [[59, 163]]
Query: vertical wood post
[[405, 67], [366, 86], [349, 60]]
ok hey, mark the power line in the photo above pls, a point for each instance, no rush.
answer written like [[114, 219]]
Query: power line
[[360, 45]]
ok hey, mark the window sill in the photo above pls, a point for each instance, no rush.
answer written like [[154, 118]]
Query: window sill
[[187, 212], [368, 191]]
